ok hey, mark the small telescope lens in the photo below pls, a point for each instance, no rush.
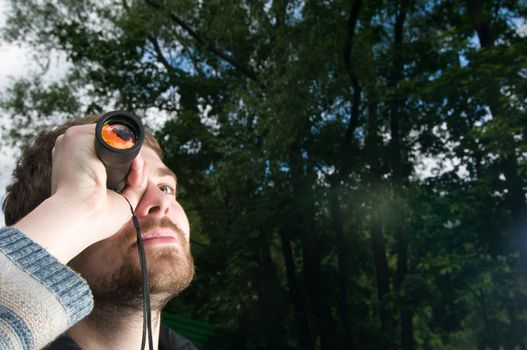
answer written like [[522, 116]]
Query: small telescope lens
[[118, 135]]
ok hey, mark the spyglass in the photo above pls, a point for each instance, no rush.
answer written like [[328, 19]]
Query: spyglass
[[119, 136]]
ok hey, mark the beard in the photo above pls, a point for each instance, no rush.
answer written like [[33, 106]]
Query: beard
[[170, 270]]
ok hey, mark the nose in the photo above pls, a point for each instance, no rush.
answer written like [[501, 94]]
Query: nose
[[154, 202]]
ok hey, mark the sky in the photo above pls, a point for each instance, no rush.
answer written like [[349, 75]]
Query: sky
[[14, 63], [13, 58]]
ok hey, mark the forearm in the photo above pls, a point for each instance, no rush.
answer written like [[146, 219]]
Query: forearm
[[52, 223], [66, 225], [40, 298]]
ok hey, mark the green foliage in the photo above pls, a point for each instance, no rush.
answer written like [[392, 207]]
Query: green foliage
[[299, 162]]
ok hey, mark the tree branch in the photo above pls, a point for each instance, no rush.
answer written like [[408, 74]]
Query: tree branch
[[483, 28], [352, 24], [345, 147], [203, 41], [161, 58], [125, 5]]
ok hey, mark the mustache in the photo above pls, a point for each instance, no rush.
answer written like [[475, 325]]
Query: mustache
[[131, 235]]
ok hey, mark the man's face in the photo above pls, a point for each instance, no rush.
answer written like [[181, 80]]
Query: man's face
[[112, 267]]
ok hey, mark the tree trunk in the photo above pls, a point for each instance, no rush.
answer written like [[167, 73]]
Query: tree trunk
[[381, 270], [516, 195], [342, 171], [342, 255], [304, 332], [406, 320], [304, 216], [377, 236], [316, 289]]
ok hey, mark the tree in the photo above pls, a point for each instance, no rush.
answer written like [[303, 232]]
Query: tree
[[299, 130]]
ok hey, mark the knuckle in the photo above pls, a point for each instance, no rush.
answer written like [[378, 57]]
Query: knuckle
[[70, 132]]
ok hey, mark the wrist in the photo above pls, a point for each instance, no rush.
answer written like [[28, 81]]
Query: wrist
[[61, 225]]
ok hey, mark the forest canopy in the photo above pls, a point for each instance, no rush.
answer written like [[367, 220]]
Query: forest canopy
[[354, 171]]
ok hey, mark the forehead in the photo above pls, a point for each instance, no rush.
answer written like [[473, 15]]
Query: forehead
[[150, 155], [157, 167]]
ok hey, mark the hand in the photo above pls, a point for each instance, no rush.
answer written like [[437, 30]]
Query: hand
[[81, 210]]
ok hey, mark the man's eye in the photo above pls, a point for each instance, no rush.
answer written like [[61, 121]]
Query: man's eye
[[167, 189]]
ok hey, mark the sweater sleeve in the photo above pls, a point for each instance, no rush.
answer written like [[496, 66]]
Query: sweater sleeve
[[40, 298]]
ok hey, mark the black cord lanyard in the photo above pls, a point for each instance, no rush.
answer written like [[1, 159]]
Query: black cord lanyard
[[147, 312]]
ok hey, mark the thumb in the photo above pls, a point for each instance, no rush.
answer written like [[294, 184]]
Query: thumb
[[137, 181]]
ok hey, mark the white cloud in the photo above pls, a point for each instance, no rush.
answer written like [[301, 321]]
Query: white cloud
[[15, 63]]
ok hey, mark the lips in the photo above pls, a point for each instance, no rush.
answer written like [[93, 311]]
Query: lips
[[158, 231], [159, 237], [158, 234]]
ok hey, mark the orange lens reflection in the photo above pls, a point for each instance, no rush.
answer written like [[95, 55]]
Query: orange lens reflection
[[118, 136]]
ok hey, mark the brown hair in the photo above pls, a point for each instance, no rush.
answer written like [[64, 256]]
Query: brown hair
[[31, 179]]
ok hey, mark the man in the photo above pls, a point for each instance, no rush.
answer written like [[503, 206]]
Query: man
[[59, 200]]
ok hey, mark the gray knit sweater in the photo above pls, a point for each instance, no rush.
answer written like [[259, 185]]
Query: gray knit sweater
[[40, 298]]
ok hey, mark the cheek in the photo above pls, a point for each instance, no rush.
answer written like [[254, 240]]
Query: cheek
[[181, 219], [101, 258]]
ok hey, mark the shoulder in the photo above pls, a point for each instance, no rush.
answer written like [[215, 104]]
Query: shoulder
[[170, 340], [39, 297]]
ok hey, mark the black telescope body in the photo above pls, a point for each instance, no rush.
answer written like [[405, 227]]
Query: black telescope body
[[119, 136]]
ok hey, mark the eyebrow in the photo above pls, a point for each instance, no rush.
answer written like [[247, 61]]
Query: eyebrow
[[166, 172]]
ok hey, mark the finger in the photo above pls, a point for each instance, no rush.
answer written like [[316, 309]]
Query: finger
[[134, 177], [134, 193]]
